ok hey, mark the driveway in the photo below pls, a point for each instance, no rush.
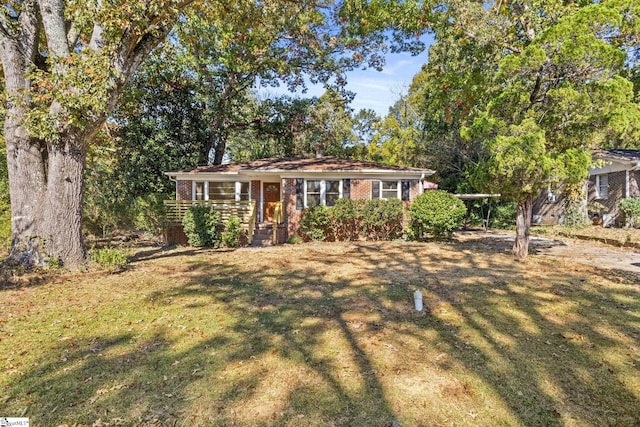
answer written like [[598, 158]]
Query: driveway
[[585, 252]]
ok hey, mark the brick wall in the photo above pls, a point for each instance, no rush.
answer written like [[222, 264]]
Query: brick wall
[[414, 189], [360, 189], [292, 215], [255, 192], [634, 184], [549, 211], [184, 190], [617, 191]]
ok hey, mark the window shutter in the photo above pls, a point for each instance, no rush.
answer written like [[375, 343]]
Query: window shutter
[[375, 189], [346, 188], [405, 190], [299, 193]]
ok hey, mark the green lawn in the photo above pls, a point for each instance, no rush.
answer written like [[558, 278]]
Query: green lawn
[[324, 335]]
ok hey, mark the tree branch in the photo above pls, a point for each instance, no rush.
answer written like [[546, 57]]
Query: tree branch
[[52, 12]]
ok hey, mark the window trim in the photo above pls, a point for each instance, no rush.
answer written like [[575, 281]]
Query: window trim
[[599, 186], [237, 189], [379, 184], [323, 190]]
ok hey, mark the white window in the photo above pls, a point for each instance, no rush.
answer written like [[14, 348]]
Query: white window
[[602, 186], [321, 192], [386, 190], [221, 190]]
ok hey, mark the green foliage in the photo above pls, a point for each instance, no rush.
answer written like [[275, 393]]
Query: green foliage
[[631, 209], [516, 162], [148, 212], [353, 219], [503, 215], [294, 240], [346, 217], [233, 234], [435, 212], [201, 226], [53, 263], [575, 214], [315, 224], [382, 219], [111, 259]]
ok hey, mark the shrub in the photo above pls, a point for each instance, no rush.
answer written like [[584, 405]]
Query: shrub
[[575, 214], [631, 209], [435, 212], [294, 240], [382, 219], [233, 234], [148, 212], [346, 217], [201, 226], [315, 224], [111, 259]]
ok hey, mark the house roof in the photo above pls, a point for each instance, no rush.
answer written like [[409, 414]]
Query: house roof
[[317, 165], [618, 154]]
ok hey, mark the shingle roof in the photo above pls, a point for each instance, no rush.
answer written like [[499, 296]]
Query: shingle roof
[[618, 153], [327, 163]]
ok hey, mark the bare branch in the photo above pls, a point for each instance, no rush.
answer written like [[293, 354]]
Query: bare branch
[[52, 12]]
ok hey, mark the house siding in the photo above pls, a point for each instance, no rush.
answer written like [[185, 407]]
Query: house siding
[[361, 189], [634, 184], [617, 192], [548, 212], [184, 190], [255, 190], [293, 215]]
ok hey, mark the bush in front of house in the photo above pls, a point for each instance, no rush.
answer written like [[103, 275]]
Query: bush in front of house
[[630, 207], [435, 212], [233, 234], [353, 219], [315, 224], [382, 219], [201, 226], [346, 218]]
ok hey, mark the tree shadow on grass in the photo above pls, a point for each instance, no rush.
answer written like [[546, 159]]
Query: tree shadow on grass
[[327, 335]]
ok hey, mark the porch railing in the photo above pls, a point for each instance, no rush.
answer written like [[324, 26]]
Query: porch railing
[[278, 218], [251, 222], [245, 209]]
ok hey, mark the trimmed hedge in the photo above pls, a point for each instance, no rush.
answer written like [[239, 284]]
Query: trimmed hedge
[[353, 219], [435, 212]]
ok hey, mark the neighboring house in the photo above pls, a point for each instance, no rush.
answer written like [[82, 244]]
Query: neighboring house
[[276, 190], [616, 176]]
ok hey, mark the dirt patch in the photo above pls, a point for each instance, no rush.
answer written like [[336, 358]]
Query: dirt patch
[[592, 253]]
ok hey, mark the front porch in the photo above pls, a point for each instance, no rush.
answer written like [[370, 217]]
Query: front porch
[[245, 210]]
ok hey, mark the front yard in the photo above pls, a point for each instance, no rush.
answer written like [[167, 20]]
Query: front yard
[[325, 334]]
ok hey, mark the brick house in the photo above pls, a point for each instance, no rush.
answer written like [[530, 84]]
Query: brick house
[[276, 190], [614, 177]]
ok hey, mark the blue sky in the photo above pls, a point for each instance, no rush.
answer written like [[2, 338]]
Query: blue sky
[[377, 90]]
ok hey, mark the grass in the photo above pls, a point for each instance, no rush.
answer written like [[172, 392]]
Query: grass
[[322, 335]]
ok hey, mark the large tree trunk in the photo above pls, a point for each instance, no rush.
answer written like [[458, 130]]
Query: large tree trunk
[[523, 224], [45, 180], [26, 190], [62, 223]]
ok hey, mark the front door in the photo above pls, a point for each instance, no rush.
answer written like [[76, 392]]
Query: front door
[[271, 195]]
